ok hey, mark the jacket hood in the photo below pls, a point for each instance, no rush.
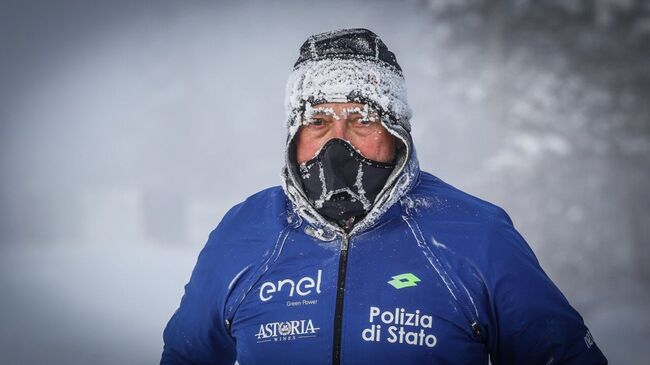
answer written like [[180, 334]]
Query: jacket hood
[[349, 65], [399, 183]]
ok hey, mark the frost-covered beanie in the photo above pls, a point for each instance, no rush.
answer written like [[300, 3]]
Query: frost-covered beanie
[[347, 65]]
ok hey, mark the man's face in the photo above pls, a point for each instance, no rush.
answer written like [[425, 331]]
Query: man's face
[[356, 123]]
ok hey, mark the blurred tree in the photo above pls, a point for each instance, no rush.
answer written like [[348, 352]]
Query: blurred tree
[[565, 86]]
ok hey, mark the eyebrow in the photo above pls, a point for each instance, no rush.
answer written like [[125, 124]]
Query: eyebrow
[[311, 112], [323, 112], [367, 112], [355, 109]]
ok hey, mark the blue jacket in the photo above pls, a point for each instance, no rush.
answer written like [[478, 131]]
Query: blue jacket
[[440, 277]]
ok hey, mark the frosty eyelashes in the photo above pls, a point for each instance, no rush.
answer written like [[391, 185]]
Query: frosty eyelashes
[[367, 114]]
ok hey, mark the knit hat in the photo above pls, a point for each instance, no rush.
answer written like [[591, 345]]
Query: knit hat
[[347, 65]]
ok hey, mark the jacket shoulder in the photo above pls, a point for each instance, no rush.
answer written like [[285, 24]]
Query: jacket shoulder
[[266, 206], [445, 202], [246, 231], [469, 227], [198, 330], [528, 319]]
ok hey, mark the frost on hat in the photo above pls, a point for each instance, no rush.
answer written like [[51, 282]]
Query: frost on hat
[[347, 65], [346, 44]]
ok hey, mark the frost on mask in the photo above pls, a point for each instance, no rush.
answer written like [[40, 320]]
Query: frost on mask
[[341, 183]]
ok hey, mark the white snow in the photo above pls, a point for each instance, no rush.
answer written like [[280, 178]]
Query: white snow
[[334, 80]]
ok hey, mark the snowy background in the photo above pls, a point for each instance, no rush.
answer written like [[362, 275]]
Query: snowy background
[[128, 128]]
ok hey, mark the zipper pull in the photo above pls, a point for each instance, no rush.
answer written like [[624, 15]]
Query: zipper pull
[[344, 242], [228, 326], [477, 329]]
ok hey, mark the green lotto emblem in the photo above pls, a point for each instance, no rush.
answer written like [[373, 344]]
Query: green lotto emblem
[[404, 280]]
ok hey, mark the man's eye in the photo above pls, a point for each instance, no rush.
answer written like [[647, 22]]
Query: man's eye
[[314, 122]]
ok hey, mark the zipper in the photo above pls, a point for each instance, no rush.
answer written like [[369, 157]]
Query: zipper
[[459, 296], [340, 291]]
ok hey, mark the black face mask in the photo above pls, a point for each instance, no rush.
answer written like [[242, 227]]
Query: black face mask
[[341, 183]]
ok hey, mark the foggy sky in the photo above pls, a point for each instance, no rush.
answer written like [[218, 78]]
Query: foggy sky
[[129, 128]]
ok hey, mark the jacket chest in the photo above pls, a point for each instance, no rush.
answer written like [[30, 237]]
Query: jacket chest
[[393, 306]]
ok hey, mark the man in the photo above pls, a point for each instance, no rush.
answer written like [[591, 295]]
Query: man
[[360, 257]]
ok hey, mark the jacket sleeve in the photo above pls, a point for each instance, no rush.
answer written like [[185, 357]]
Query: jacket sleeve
[[196, 333], [532, 321]]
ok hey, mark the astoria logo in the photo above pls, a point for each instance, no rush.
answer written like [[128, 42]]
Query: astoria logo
[[302, 287], [286, 331]]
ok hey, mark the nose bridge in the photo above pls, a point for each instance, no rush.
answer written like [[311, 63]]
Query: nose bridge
[[339, 128]]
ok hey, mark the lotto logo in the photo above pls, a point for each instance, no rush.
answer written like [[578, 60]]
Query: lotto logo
[[404, 280]]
